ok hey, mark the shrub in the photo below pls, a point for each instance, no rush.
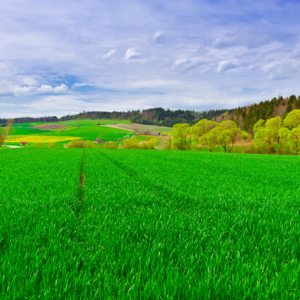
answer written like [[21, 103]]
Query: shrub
[[75, 144], [88, 144], [38, 145], [51, 145]]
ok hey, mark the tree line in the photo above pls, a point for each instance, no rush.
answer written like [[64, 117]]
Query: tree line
[[246, 117], [3, 121], [154, 116], [273, 136]]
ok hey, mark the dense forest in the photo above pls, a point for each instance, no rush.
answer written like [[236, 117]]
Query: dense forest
[[154, 116]]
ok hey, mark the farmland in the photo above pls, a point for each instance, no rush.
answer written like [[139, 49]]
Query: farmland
[[92, 132], [87, 131], [40, 138], [141, 127], [148, 225]]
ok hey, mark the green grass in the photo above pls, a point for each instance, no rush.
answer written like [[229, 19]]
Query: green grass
[[148, 225], [92, 132], [23, 130], [87, 130]]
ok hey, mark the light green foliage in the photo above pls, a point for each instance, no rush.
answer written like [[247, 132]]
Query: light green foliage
[[136, 143], [283, 141], [294, 140], [228, 138], [293, 119], [258, 125], [226, 125], [267, 134], [210, 139], [80, 144], [275, 125], [202, 127], [145, 227], [226, 135], [182, 136]]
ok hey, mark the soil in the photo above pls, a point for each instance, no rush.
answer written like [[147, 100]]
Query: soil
[[49, 126], [140, 127]]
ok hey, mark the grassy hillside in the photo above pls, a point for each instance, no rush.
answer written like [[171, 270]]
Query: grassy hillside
[[92, 132], [88, 130]]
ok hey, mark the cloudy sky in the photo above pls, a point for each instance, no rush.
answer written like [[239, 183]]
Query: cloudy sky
[[57, 56]]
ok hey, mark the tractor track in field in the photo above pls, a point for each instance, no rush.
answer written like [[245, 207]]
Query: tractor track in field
[[150, 185], [78, 204], [82, 179]]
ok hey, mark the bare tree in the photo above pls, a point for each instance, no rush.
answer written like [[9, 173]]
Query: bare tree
[[2, 138], [135, 131], [8, 129]]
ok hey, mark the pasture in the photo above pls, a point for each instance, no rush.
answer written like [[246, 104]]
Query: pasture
[[133, 224], [88, 130], [92, 132]]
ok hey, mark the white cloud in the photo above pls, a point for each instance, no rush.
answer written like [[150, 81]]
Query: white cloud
[[132, 54], [109, 54], [181, 61], [24, 89], [49, 89], [76, 85], [159, 37], [36, 90], [186, 63], [227, 65], [61, 88]]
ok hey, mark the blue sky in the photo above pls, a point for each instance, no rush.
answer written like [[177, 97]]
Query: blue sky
[[57, 56]]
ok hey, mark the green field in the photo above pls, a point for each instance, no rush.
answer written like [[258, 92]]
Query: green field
[[83, 122], [92, 132], [148, 225], [88, 130]]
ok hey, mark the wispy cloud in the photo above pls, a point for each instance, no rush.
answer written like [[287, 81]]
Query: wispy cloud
[[227, 65], [132, 54], [159, 37], [109, 54]]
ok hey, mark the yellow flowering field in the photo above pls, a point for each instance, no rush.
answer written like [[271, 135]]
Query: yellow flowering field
[[39, 139]]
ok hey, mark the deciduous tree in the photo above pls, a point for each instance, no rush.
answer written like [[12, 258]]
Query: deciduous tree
[[2, 138], [292, 120], [8, 129], [202, 127], [294, 140], [228, 138], [182, 136]]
